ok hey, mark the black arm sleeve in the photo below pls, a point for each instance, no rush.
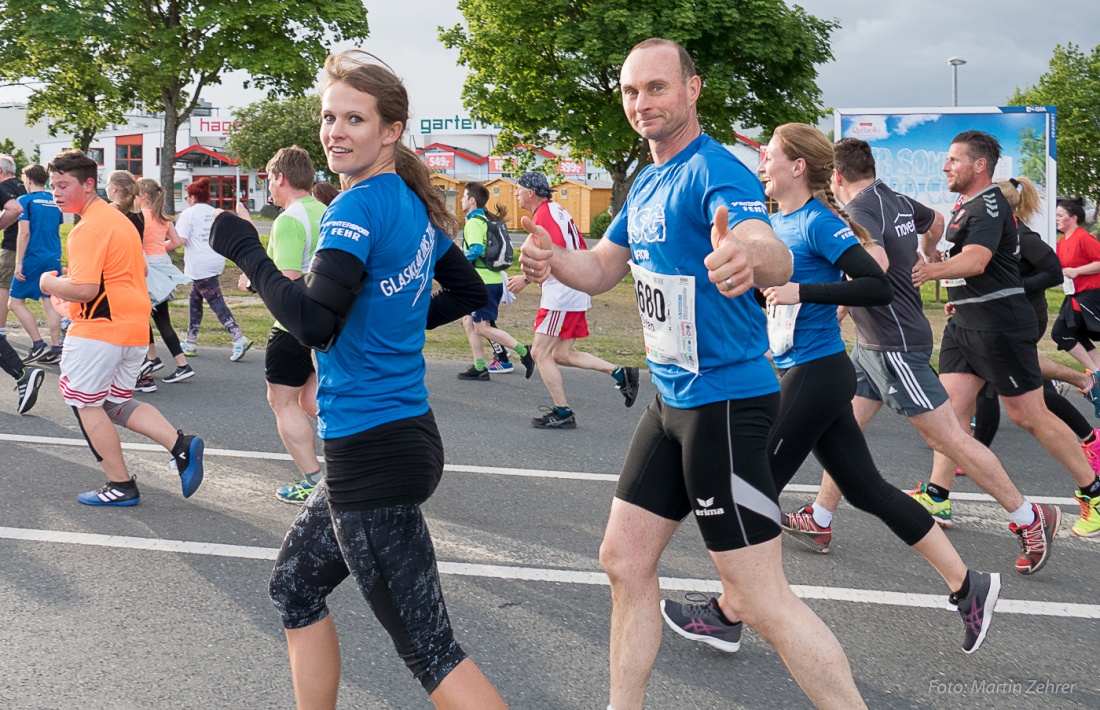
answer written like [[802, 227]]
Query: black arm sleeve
[[1047, 274], [463, 290], [868, 285], [314, 307], [1038, 261]]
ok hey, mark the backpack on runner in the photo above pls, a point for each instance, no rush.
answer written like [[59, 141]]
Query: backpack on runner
[[498, 254]]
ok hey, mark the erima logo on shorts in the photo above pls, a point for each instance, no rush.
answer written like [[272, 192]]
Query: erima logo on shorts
[[706, 509], [646, 225]]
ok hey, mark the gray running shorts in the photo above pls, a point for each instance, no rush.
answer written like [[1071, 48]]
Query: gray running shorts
[[905, 382]]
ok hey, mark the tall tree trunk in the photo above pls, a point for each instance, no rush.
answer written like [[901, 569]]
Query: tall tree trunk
[[168, 153]]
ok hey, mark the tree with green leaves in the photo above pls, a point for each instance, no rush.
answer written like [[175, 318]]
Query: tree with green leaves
[[1073, 86], [67, 51], [266, 126], [548, 70], [174, 44], [7, 147], [166, 47]]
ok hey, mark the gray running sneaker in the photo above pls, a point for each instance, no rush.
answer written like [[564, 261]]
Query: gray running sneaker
[[552, 420], [701, 621], [976, 608]]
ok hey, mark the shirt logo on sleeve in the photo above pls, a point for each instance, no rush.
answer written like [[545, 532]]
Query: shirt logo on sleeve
[[991, 207], [757, 207], [646, 225], [845, 233], [346, 230]]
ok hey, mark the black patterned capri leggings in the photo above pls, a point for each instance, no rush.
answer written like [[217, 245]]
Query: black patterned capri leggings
[[389, 554]]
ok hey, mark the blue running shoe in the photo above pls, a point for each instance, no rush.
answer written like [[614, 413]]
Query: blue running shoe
[[501, 368], [189, 463], [111, 494], [296, 493]]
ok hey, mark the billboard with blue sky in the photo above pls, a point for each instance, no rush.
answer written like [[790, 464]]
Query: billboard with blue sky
[[910, 147]]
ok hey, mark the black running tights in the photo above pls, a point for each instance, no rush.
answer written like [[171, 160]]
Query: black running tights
[[163, 322], [815, 416]]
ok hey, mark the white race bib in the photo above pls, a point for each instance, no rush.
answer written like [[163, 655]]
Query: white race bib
[[949, 283], [666, 304], [781, 327]]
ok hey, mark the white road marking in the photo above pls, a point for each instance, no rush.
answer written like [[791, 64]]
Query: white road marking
[[492, 470], [564, 576]]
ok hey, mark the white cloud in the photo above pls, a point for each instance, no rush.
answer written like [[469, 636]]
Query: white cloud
[[913, 120]]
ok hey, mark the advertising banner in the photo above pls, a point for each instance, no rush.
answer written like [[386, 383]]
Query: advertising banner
[[910, 147], [439, 161], [571, 167]]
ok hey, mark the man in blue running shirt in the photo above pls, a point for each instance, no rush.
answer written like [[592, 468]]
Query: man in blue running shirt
[[694, 233]]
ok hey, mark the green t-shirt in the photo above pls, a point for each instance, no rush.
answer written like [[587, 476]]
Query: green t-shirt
[[294, 236], [475, 232]]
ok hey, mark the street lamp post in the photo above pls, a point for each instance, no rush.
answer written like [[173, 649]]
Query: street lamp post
[[955, 62]]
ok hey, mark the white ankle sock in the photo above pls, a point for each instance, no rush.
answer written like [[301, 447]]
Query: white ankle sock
[[822, 516], [1024, 516]]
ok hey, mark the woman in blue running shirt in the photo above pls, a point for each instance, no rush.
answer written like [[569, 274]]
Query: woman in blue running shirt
[[364, 305], [817, 380]]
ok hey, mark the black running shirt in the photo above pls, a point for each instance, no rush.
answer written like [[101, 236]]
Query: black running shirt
[[993, 300], [896, 223]]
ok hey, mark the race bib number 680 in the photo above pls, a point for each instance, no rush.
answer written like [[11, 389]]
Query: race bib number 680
[[666, 304]]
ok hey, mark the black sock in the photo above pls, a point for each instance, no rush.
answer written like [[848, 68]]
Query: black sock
[[963, 590], [1093, 489], [721, 616], [124, 485], [937, 492], [1090, 438], [180, 445]]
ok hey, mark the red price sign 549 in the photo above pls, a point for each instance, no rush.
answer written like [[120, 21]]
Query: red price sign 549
[[439, 161]]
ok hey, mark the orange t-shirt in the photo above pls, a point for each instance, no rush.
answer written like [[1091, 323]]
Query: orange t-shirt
[[155, 232], [103, 251]]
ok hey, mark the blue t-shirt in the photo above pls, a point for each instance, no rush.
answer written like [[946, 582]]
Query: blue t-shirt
[[665, 223], [44, 218], [816, 238], [374, 374]]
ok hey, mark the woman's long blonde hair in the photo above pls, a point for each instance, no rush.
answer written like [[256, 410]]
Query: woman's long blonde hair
[[801, 140], [153, 193], [127, 188], [1022, 195]]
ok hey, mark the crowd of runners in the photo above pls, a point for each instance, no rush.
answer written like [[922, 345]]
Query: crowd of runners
[[348, 279]]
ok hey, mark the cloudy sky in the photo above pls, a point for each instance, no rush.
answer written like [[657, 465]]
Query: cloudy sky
[[887, 54]]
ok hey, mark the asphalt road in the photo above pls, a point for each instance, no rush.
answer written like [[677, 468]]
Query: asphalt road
[[165, 605]]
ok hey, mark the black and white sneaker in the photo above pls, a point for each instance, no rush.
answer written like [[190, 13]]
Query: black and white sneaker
[[27, 388], [111, 494], [702, 621], [36, 354], [552, 420], [53, 357], [976, 608], [181, 374], [149, 367], [629, 385]]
